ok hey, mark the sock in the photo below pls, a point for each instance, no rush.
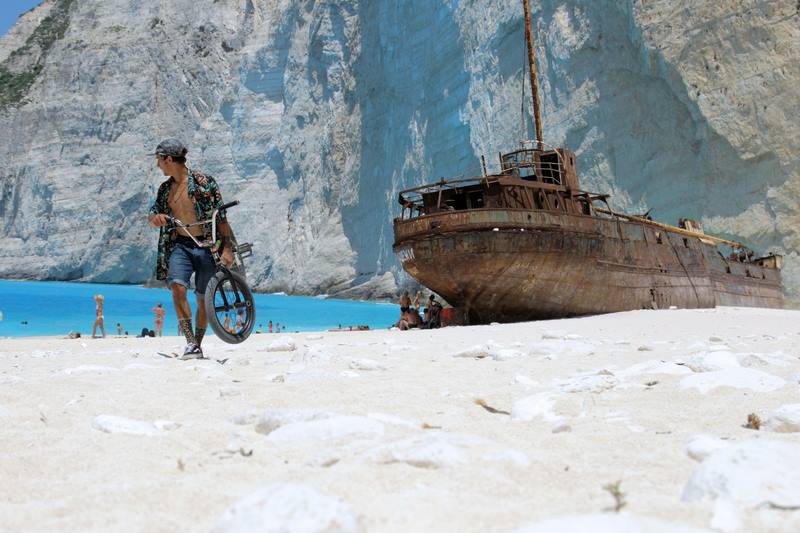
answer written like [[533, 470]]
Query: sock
[[185, 325], [199, 333]]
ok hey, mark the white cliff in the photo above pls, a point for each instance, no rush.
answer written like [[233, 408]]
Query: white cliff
[[316, 113]]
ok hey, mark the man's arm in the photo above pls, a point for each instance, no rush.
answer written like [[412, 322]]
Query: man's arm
[[159, 209], [227, 243], [225, 233], [223, 228]]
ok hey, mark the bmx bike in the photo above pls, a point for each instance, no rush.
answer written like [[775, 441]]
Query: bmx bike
[[228, 301]]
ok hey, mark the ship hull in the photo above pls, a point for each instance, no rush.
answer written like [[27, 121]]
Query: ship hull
[[512, 265]]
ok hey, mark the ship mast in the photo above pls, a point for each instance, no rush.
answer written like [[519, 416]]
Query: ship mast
[[537, 113]]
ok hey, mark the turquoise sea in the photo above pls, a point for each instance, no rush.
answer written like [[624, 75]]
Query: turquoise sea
[[56, 308]]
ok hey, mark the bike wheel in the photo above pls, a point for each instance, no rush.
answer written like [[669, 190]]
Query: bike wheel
[[230, 307]]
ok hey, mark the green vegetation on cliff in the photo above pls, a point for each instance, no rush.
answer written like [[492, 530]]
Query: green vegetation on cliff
[[15, 84]]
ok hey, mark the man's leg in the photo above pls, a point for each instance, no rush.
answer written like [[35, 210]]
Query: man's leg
[[204, 270], [180, 271], [183, 311], [201, 320]]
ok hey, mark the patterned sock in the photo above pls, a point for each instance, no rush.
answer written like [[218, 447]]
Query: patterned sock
[[199, 333], [185, 325]]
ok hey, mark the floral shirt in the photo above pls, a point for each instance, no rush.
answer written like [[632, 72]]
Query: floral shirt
[[204, 193]]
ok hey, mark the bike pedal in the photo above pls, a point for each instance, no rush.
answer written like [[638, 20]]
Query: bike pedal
[[244, 250]]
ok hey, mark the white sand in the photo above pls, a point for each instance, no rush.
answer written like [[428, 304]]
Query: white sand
[[380, 431]]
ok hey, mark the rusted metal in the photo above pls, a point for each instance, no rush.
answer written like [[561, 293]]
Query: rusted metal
[[537, 114]]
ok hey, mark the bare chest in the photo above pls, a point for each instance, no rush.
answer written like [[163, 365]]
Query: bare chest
[[182, 207]]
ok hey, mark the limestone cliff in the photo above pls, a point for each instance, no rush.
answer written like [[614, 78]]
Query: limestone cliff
[[316, 113]]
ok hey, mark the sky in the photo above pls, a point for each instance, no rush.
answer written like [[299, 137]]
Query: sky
[[11, 9]]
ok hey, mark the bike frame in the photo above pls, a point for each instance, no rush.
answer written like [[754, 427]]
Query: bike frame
[[239, 250]]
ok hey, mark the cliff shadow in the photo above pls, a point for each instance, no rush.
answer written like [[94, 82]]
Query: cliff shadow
[[412, 86]]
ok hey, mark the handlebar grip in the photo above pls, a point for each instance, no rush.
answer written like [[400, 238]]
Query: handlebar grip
[[223, 207]]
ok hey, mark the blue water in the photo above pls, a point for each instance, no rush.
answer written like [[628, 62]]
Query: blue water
[[55, 308]]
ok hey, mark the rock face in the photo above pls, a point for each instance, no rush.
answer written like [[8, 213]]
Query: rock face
[[316, 113]]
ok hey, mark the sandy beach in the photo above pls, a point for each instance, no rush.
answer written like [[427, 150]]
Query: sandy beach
[[544, 426]]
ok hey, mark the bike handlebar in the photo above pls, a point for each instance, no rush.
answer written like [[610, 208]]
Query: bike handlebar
[[228, 205]]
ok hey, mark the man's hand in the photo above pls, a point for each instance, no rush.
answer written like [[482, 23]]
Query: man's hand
[[227, 256], [157, 220]]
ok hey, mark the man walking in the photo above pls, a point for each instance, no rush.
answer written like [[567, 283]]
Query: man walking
[[189, 196]]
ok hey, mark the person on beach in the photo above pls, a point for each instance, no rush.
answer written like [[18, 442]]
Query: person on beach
[[432, 317], [269, 326], [119, 329], [426, 315], [99, 318], [277, 327], [409, 316], [188, 195], [405, 302], [417, 303], [158, 321], [409, 319]]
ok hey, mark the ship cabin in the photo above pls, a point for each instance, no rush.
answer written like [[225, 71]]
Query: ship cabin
[[529, 179]]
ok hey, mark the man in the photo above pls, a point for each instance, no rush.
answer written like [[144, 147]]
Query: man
[[405, 302], [189, 196], [432, 313]]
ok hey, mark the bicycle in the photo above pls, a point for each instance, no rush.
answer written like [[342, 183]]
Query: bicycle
[[227, 295]]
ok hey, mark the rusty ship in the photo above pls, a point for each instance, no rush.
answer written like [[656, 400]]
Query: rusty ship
[[527, 243]]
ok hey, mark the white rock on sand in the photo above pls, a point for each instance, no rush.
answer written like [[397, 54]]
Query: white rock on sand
[[119, 424], [749, 475], [288, 507], [440, 449], [302, 441], [785, 419], [536, 405], [327, 430], [366, 364], [285, 344], [738, 378], [698, 447]]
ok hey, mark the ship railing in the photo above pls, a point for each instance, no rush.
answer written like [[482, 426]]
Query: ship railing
[[543, 171], [412, 200], [534, 162], [742, 252]]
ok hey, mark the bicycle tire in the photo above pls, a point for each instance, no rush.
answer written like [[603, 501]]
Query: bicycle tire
[[228, 292]]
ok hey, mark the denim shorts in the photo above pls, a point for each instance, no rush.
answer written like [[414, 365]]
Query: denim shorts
[[187, 259]]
